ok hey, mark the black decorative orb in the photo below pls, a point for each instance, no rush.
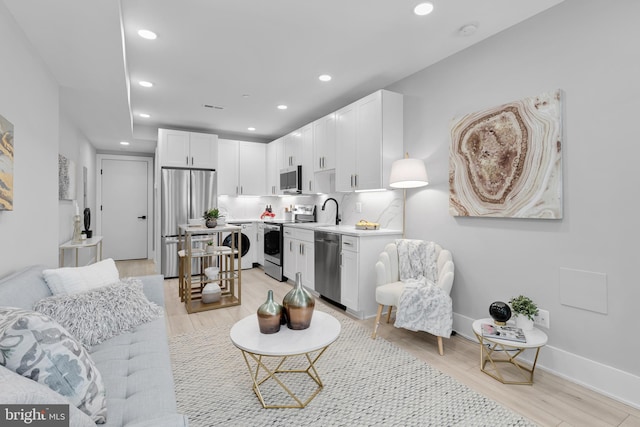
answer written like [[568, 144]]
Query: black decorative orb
[[500, 312]]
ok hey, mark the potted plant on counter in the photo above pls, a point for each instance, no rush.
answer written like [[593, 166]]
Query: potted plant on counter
[[211, 217], [525, 310]]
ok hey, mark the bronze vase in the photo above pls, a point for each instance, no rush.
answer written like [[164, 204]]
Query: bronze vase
[[269, 315], [298, 306]]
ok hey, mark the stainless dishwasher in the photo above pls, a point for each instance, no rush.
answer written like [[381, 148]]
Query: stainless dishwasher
[[327, 264]]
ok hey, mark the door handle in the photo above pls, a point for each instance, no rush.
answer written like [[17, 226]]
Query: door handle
[[142, 217]]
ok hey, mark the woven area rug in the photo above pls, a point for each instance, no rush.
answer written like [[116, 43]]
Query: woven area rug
[[366, 383]]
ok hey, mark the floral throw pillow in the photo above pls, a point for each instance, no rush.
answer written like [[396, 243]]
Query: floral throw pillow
[[36, 347]]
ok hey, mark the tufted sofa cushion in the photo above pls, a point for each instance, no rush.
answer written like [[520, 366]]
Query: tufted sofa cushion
[[137, 372]]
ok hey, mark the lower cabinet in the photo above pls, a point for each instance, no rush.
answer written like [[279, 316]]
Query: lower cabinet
[[358, 274], [299, 254], [260, 244]]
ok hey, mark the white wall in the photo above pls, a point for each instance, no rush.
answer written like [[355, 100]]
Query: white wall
[[74, 145], [590, 51], [29, 100]]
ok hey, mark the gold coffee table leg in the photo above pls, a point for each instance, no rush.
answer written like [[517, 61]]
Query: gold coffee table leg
[[252, 359]]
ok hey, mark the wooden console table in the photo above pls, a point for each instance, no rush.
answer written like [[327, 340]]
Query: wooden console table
[[226, 258], [93, 242]]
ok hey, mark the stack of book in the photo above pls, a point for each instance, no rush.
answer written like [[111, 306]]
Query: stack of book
[[509, 333]]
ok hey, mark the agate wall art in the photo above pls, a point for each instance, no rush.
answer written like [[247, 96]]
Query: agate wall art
[[507, 161], [6, 165], [66, 178]]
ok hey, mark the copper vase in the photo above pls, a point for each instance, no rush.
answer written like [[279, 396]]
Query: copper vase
[[269, 315], [298, 306]]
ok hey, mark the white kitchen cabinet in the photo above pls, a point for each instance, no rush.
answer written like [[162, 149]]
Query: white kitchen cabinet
[[187, 149], [241, 170], [260, 243], [299, 255], [349, 280], [324, 143], [275, 154], [306, 159], [369, 133], [358, 257], [292, 149], [251, 169], [227, 175]]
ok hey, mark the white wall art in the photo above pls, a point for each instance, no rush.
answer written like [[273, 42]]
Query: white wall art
[[507, 161], [66, 178]]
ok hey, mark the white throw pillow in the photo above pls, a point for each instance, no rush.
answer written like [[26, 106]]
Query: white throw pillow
[[71, 280]]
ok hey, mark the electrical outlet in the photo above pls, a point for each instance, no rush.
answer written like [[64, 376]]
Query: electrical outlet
[[542, 318], [359, 207]]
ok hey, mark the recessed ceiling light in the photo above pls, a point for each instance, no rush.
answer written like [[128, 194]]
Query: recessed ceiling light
[[423, 9], [282, 107], [147, 34], [144, 115], [251, 129], [245, 95], [124, 143], [145, 84], [324, 78]]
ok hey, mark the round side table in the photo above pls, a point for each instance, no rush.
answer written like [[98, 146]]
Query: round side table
[[495, 351]]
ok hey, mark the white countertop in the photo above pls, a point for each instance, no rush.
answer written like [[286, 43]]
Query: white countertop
[[329, 227], [344, 229]]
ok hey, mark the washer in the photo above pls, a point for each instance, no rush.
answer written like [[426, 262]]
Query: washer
[[249, 244]]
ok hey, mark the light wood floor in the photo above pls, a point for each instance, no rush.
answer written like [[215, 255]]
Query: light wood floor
[[551, 401]]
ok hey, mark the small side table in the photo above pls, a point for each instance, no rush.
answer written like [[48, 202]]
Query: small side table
[[93, 242], [310, 343], [490, 349]]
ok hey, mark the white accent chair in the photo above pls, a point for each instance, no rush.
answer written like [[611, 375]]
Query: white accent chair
[[389, 287]]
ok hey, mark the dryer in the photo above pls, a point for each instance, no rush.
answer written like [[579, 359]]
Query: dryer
[[249, 244]]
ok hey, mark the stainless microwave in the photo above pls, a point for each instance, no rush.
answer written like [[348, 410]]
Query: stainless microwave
[[291, 180]]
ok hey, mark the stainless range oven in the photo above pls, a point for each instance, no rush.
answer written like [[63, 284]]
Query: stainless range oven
[[273, 250], [273, 237]]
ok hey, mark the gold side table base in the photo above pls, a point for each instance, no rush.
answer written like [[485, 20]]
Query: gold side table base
[[487, 350], [255, 364]]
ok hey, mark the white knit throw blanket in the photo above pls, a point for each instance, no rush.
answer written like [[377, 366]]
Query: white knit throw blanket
[[423, 306]]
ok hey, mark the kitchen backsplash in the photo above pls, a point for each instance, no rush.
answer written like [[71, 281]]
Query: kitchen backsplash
[[384, 207]]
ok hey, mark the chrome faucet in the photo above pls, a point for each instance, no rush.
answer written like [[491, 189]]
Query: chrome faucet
[[337, 214]]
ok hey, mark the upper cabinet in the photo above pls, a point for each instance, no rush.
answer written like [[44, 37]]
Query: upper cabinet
[[324, 143], [369, 133], [275, 154], [241, 170], [306, 158], [187, 149], [292, 149], [251, 168]]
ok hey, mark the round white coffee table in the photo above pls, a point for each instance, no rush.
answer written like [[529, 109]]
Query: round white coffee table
[[490, 347], [308, 343]]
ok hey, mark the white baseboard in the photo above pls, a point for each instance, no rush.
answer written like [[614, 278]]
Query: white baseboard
[[606, 380]]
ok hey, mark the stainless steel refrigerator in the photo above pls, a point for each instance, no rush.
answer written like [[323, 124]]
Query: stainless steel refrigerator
[[186, 193]]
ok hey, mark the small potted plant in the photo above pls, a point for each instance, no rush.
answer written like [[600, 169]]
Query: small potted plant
[[210, 247], [211, 217], [525, 309]]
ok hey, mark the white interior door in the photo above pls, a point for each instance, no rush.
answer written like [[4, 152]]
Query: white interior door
[[124, 207]]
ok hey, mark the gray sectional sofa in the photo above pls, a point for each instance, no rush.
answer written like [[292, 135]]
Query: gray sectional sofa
[[135, 365]]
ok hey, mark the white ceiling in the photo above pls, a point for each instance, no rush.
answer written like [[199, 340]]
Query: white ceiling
[[215, 51]]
